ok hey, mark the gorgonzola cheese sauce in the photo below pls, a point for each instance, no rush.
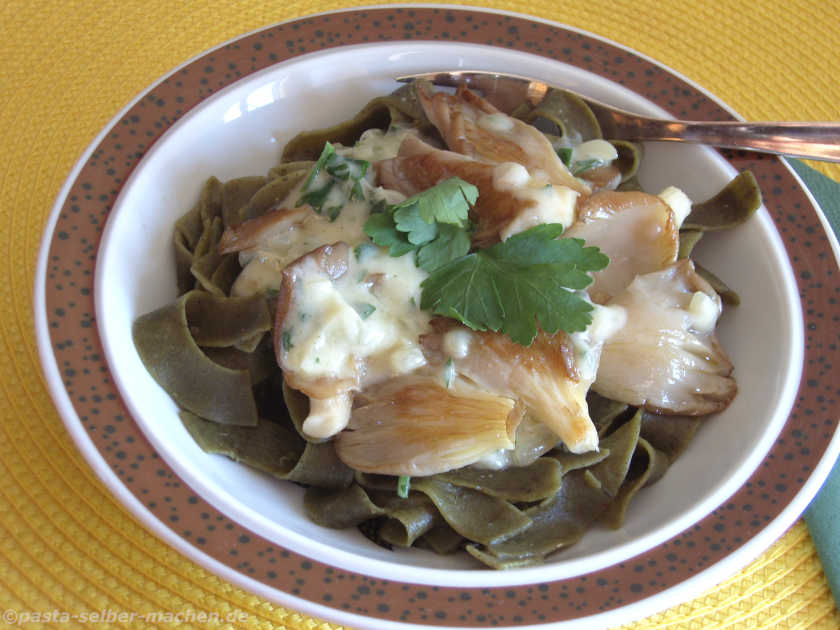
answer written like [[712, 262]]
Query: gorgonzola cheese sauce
[[368, 314], [544, 202], [606, 321], [365, 324]]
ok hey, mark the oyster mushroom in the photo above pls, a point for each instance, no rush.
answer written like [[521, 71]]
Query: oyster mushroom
[[472, 126], [544, 376], [667, 357], [279, 224], [636, 230], [414, 425], [328, 388]]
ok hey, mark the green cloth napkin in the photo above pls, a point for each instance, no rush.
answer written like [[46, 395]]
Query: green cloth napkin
[[823, 514]]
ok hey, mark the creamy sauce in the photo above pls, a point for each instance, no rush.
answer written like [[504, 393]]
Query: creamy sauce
[[369, 316], [606, 321], [375, 144], [544, 202]]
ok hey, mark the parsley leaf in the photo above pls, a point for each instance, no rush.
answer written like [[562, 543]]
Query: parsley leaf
[[513, 286], [565, 155], [434, 224], [417, 230], [287, 339], [451, 243], [364, 309], [447, 202], [382, 229]]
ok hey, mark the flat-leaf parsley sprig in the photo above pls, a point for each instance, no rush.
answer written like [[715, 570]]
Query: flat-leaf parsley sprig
[[531, 279], [528, 280], [434, 224]]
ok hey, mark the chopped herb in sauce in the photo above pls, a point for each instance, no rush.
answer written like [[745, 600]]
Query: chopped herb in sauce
[[333, 181]]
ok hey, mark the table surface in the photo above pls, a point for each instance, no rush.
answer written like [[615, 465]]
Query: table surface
[[68, 67]]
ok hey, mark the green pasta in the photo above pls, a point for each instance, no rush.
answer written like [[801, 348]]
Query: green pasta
[[473, 514], [268, 446], [194, 381], [652, 464], [236, 196], [408, 518], [563, 115], [733, 205], [533, 482], [339, 509]]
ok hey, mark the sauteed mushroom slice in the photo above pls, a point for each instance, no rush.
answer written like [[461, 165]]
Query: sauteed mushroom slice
[[667, 357], [415, 425]]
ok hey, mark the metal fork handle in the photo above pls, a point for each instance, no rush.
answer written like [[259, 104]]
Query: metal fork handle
[[809, 140]]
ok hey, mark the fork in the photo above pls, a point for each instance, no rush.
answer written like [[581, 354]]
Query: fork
[[809, 140]]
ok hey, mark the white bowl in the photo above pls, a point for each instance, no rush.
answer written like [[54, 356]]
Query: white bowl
[[241, 130]]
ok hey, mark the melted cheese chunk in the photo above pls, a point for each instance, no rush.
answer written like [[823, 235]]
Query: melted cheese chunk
[[545, 203], [456, 343], [599, 151], [703, 312], [497, 123], [368, 317], [510, 176], [678, 201]]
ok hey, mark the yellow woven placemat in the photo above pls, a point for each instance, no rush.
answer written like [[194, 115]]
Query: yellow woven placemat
[[66, 544]]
